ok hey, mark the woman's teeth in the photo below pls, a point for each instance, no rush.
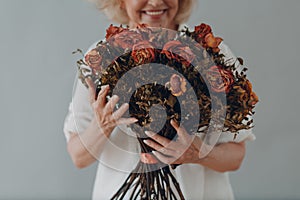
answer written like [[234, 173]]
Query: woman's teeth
[[154, 12]]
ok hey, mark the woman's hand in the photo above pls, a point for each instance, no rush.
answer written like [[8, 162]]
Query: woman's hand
[[188, 149], [105, 116], [185, 149], [86, 149]]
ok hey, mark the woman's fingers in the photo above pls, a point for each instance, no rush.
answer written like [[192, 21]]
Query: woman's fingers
[[159, 148], [121, 111], [159, 139], [117, 116], [109, 107], [101, 99], [105, 111], [92, 90], [165, 159], [175, 125], [182, 134], [126, 121]]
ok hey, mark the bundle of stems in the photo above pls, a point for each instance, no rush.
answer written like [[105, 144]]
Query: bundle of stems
[[146, 182]]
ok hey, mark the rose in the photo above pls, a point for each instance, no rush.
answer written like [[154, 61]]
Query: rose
[[113, 30], [253, 97], [219, 79], [203, 35], [93, 59], [201, 31], [245, 94], [143, 52], [177, 85], [125, 39], [176, 50], [212, 42]]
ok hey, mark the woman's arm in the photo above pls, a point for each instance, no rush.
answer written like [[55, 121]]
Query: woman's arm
[[186, 149], [225, 157], [84, 149]]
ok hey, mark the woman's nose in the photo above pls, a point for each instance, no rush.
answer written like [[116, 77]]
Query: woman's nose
[[155, 3]]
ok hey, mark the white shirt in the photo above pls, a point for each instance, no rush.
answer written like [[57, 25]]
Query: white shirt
[[121, 154]]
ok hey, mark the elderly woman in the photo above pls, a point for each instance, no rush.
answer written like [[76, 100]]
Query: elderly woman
[[93, 132]]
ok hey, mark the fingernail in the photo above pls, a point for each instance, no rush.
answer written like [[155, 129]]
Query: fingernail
[[149, 133], [154, 152], [114, 97], [146, 141], [173, 122], [135, 120], [88, 80], [126, 104], [102, 89]]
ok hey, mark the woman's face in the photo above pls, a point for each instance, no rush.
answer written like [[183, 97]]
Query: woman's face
[[155, 13]]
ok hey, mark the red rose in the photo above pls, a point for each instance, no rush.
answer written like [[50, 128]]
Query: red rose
[[113, 30], [177, 85], [219, 79], [201, 31], [143, 52], [125, 39], [176, 50], [203, 34], [93, 59]]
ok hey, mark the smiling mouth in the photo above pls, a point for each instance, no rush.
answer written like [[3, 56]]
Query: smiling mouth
[[154, 12]]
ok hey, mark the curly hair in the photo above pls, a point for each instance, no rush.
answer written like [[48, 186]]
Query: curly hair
[[113, 10]]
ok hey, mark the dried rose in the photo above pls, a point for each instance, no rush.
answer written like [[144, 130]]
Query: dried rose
[[177, 85], [201, 31], [143, 52], [176, 50], [93, 59], [113, 30], [203, 34], [219, 79], [125, 39], [253, 97], [212, 42]]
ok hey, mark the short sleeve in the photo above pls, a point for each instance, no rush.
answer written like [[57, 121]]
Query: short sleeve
[[241, 136], [80, 113]]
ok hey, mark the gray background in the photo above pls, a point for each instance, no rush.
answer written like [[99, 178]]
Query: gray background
[[38, 71]]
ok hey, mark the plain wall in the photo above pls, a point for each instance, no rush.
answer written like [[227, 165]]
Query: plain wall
[[38, 71]]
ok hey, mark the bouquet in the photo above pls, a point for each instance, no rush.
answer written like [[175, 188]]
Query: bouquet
[[169, 75]]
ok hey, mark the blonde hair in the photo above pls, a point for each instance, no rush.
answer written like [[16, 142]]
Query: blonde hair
[[113, 10]]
